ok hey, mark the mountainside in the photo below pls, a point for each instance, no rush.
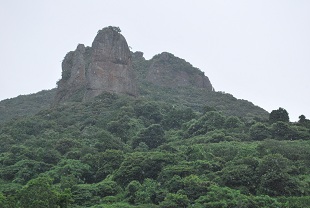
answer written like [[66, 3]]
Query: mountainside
[[120, 151], [109, 66], [26, 105], [121, 131]]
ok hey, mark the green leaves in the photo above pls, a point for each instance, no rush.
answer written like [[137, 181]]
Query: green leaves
[[208, 122], [38, 193], [152, 136], [278, 115], [175, 201], [275, 179], [259, 131], [118, 150]]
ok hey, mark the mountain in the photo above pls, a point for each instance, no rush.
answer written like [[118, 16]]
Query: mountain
[[121, 131], [109, 66]]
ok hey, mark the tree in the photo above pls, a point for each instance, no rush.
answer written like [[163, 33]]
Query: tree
[[141, 165], [259, 131], [175, 201], [210, 121], [233, 122], [241, 174], [302, 119], [194, 187], [152, 136], [222, 197], [131, 190], [38, 193], [3, 201], [282, 130], [279, 115], [206, 109], [274, 176], [176, 117]]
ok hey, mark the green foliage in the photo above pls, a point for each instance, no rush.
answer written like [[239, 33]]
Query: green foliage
[[3, 201], [241, 174], [120, 151], [175, 118], [125, 127], [152, 136], [279, 115], [138, 166], [108, 187], [222, 197], [175, 201], [293, 202], [38, 193], [233, 122], [149, 192], [194, 187], [275, 179], [70, 167], [150, 112], [26, 105], [208, 122], [259, 131], [282, 130], [104, 163]]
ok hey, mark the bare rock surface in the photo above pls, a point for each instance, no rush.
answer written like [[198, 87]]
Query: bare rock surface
[[104, 67], [107, 66], [170, 71]]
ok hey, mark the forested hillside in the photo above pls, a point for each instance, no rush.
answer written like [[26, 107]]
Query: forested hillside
[[25, 105], [121, 131], [186, 96], [122, 151]]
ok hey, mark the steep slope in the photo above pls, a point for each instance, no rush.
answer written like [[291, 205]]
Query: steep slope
[[104, 67], [26, 105]]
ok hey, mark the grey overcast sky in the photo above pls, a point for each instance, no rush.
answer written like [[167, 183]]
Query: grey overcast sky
[[257, 50]]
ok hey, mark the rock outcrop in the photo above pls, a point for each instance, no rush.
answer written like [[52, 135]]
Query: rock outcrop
[[170, 71], [104, 67], [109, 66]]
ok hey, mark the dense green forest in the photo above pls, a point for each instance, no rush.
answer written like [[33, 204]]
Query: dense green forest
[[25, 105], [168, 147], [122, 151]]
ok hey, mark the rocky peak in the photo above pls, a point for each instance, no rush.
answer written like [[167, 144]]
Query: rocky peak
[[111, 46], [107, 66], [170, 71], [104, 67]]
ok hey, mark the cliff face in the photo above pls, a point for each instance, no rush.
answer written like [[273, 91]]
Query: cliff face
[[107, 66], [110, 68], [104, 67], [167, 70]]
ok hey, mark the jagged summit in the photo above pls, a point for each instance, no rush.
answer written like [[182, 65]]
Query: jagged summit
[[107, 66], [103, 67], [168, 70]]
